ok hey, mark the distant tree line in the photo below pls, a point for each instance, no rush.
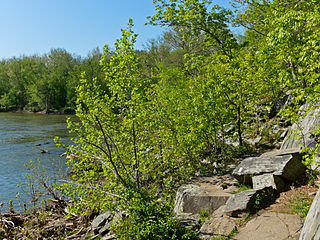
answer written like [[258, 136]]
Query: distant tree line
[[45, 83]]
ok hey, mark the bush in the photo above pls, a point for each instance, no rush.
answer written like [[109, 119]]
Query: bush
[[150, 219]]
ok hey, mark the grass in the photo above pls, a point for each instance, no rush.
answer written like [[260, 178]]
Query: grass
[[299, 205], [242, 188]]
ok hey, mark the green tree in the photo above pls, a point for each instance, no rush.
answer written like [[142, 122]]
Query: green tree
[[120, 161]]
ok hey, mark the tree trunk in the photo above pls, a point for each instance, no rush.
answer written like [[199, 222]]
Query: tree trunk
[[239, 126]]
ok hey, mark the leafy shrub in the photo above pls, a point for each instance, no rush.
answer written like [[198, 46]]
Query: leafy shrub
[[151, 219]]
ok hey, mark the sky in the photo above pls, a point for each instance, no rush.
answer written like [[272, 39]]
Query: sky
[[31, 27]]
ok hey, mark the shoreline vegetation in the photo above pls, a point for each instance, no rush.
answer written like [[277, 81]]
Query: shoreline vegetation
[[150, 120], [65, 112]]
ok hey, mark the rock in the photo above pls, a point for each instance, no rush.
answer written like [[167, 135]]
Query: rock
[[255, 141], [217, 225], [316, 164], [268, 180], [248, 200], [271, 226], [203, 194], [276, 128], [200, 196], [100, 221], [288, 166], [284, 134], [189, 219], [281, 152], [301, 133], [311, 227]]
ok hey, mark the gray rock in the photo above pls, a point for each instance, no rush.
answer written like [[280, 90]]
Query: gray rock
[[248, 200], [276, 128], [284, 134], [271, 226], [189, 219], [311, 227], [100, 221], [281, 152], [301, 132], [217, 225], [268, 180], [289, 167], [254, 141], [194, 198]]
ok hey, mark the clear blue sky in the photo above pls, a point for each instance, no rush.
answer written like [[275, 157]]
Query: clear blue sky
[[35, 26]]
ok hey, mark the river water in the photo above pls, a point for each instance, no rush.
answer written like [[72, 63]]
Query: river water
[[24, 137]]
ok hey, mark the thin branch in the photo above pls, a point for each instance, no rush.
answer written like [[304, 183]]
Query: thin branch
[[110, 159], [105, 138], [135, 154], [92, 187], [101, 160]]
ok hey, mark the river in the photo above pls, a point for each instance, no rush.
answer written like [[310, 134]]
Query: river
[[24, 137]]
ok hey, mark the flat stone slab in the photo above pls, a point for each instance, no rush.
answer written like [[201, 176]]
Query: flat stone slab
[[271, 226], [217, 225], [281, 152], [247, 201], [289, 167], [194, 198], [311, 227]]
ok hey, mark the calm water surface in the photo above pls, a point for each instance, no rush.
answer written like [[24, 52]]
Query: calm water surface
[[19, 136]]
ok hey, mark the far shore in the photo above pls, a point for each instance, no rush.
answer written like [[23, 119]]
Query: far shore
[[64, 112]]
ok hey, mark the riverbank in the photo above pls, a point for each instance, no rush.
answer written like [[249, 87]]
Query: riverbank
[[53, 112], [48, 222]]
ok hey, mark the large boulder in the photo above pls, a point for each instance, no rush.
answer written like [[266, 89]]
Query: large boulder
[[248, 201], [192, 198], [301, 133], [311, 227], [271, 226], [288, 166], [204, 194]]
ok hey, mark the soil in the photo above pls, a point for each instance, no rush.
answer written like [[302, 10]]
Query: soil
[[287, 200]]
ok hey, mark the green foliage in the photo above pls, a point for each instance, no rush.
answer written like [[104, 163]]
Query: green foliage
[[38, 188], [203, 216], [148, 120], [263, 199], [47, 82], [151, 219], [242, 188], [196, 17], [123, 158]]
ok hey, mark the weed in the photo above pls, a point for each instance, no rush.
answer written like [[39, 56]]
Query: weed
[[203, 216], [230, 236], [242, 188], [299, 205]]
